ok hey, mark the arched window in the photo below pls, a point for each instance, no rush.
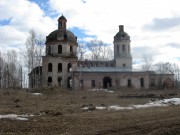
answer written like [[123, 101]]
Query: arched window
[[142, 82], [50, 67], [123, 48], [65, 37], [49, 81], [60, 67], [71, 50], [129, 82], [60, 25], [59, 81], [118, 49], [49, 50], [124, 65], [69, 67], [59, 49]]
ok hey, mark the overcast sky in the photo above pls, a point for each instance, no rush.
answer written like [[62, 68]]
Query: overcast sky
[[153, 25]]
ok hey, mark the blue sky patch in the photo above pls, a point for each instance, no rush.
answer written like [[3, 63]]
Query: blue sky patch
[[178, 58], [5, 22], [80, 33]]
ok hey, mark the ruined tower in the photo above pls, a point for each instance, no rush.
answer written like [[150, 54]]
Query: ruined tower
[[122, 49], [60, 58]]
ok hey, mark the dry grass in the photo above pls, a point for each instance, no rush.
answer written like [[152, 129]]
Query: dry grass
[[63, 113]]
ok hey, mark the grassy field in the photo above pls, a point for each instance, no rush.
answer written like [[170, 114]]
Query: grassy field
[[59, 111]]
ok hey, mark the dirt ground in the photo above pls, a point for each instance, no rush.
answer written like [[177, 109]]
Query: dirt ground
[[58, 112]]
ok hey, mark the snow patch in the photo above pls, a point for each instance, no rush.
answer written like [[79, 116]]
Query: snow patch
[[36, 94], [105, 90], [100, 108], [15, 117], [117, 107], [158, 103]]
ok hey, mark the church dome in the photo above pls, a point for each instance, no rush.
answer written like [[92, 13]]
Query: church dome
[[61, 35], [121, 35], [62, 17]]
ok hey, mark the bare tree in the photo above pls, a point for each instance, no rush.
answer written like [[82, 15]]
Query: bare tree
[[9, 67], [81, 50], [106, 53], [30, 50], [147, 63], [95, 48]]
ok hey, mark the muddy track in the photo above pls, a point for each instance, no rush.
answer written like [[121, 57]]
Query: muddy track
[[168, 126]]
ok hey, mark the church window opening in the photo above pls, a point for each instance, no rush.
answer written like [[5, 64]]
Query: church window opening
[[49, 81], [118, 49], [71, 49], [60, 24], [49, 50], [123, 48], [69, 82], [59, 49], [59, 81], [60, 67], [93, 83], [50, 67], [124, 65], [129, 82], [69, 67], [142, 82], [65, 37]]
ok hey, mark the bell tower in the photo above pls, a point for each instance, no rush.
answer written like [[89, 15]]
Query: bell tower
[[122, 49], [62, 22]]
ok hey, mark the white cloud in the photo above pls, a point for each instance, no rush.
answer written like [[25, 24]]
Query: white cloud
[[100, 18], [24, 16]]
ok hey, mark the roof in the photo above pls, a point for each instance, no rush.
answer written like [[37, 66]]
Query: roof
[[62, 17], [103, 69], [61, 35], [121, 35]]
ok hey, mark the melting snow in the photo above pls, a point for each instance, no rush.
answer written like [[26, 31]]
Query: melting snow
[[36, 94], [15, 117], [158, 103], [101, 108], [102, 90]]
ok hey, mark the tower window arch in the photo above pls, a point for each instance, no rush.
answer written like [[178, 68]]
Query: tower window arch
[[123, 48], [60, 67], [59, 49], [49, 50], [117, 49], [50, 67], [71, 49]]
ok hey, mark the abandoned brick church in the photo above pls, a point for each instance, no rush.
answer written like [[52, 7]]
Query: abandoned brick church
[[61, 67]]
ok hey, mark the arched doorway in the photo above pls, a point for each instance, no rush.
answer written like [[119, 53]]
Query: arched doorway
[[69, 82], [49, 81], [142, 82], [107, 82]]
